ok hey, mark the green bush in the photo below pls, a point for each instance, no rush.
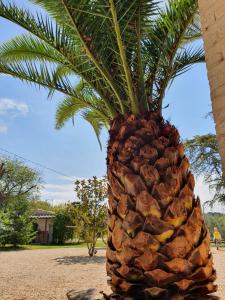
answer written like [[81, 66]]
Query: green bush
[[5, 229], [15, 224], [62, 219]]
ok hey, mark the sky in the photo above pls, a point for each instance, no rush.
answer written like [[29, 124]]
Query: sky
[[27, 127]]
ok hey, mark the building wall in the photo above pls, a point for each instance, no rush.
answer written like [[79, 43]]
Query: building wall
[[41, 224], [212, 14], [50, 232], [49, 227]]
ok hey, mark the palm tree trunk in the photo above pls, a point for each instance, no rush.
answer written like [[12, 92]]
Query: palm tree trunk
[[158, 244], [213, 26]]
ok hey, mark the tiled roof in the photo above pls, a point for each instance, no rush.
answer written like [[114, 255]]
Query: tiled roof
[[41, 214]]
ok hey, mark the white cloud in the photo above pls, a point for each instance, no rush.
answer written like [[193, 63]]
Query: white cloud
[[64, 192], [68, 178], [61, 193], [9, 105], [3, 128], [58, 193], [202, 190]]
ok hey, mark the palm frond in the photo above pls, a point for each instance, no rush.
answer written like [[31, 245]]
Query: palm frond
[[95, 119], [166, 36], [69, 46], [193, 32], [125, 53], [84, 100], [181, 63], [90, 21], [185, 59], [38, 74], [28, 47], [131, 21], [78, 17], [68, 108]]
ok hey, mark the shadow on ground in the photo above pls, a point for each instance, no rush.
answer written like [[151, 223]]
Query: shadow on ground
[[83, 260]]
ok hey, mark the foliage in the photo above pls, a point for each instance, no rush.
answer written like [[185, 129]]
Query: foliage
[[215, 220], [126, 53], [15, 224], [5, 228], [63, 218], [2, 171], [18, 179], [205, 160], [41, 204], [91, 210]]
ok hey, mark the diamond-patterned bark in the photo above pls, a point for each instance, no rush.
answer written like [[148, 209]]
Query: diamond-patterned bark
[[158, 245]]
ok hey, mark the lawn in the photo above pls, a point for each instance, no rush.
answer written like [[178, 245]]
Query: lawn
[[99, 244]]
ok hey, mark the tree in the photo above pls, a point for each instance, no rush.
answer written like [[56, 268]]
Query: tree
[[205, 160], [91, 210], [63, 219], [41, 204], [15, 224], [18, 179], [215, 220], [5, 229], [126, 54], [1, 175]]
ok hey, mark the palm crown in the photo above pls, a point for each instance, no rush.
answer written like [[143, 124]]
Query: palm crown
[[124, 52]]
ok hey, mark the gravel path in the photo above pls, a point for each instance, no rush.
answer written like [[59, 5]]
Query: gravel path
[[50, 274]]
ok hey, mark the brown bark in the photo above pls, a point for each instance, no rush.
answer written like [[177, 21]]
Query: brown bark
[[158, 244], [212, 14]]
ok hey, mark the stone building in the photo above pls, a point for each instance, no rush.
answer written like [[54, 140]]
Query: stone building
[[212, 13], [43, 223]]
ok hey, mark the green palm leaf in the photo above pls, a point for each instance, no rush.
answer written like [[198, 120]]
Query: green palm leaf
[[28, 47], [67, 45], [95, 119], [166, 36], [85, 99], [68, 109], [181, 63], [38, 74], [126, 53]]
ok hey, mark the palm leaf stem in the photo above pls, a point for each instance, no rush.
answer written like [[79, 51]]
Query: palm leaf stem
[[101, 68], [134, 102], [142, 90]]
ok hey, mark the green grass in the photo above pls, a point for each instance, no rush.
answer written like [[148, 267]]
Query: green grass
[[221, 246], [99, 244]]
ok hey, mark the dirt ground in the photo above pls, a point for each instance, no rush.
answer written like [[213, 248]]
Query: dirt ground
[[50, 274]]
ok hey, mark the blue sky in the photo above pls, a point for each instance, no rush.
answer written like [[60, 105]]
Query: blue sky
[[27, 120]]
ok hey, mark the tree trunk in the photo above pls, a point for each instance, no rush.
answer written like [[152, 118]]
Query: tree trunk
[[212, 14], [158, 243]]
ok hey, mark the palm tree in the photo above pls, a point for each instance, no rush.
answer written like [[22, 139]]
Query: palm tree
[[126, 53]]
